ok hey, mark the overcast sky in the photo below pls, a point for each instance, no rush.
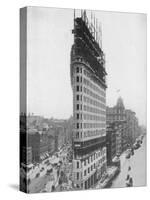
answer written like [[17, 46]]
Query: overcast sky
[[49, 43]]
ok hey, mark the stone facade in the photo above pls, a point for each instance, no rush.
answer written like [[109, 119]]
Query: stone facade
[[89, 107]]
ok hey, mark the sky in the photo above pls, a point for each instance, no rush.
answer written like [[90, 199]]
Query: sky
[[49, 41]]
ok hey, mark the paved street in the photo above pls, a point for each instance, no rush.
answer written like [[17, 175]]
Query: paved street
[[138, 168]]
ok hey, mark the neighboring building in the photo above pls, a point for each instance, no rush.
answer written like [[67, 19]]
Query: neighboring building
[[132, 126], [111, 143], [130, 116], [61, 136], [39, 143], [59, 130], [47, 136], [62, 131], [117, 115], [89, 105], [127, 124], [53, 140], [118, 141], [51, 144]]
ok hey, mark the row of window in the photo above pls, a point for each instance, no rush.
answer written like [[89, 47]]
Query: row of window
[[90, 125], [78, 79], [94, 117], [93, 102], [89, 100], [91, 168], [88, 75], [87, 91], [92, 94], [78, 116], [80, 134], [93, 110], [94, 87], [95, 156], [86, 171], [88, 108]]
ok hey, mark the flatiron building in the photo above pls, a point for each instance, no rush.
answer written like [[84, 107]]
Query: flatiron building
[[88, 80]]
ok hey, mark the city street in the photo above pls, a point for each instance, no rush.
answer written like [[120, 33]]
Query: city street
[[45, 181], [138, 168]]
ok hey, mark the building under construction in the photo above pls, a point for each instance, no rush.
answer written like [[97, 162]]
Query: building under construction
[[88, 80]]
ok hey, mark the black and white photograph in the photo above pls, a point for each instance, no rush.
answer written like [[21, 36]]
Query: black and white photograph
[[83, 99]]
